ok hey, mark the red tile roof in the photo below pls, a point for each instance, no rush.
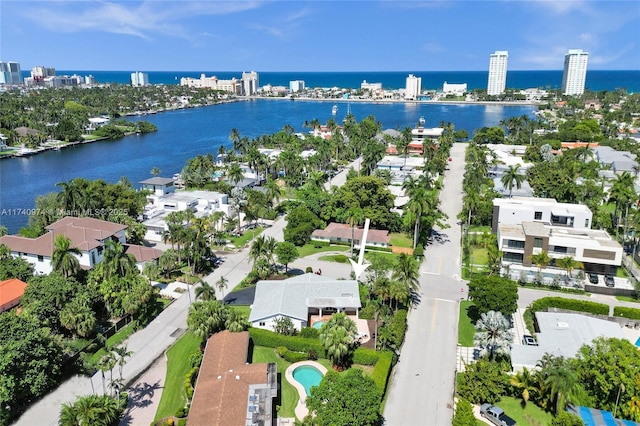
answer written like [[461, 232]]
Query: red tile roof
[[142, 253], [11, 291], [343, 231]]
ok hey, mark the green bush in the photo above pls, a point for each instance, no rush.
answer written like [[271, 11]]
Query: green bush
[[569, 304], [629, 313], [195, 358], [399, 326], [281, 350], [365, 356], [341, 258], [293, 343], [294, 357], [189, 381], [368, 312], [320, 244], [382, 370], [310, 332], [418, 251], [308, 270]]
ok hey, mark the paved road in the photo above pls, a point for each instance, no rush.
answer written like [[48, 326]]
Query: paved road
[[422, 385]]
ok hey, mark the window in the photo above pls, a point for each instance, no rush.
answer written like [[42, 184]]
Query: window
[[586, 223], [512, 257], [40, 258], [537, 216], [262, 323], [537, 242], [560, 249], [514, 244]]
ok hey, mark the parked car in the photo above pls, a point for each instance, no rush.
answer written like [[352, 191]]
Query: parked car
[[609, 281], [496, 415], [593, 278], [529, 340]]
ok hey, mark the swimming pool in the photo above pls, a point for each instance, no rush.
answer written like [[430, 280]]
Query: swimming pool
[[638, 342], [318, 324], [308, 376]]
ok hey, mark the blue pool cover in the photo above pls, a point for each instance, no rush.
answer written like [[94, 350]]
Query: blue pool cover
[[594, 417]]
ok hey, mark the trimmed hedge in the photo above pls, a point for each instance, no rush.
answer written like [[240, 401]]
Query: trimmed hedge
[[294, 357], [382, 370], [189, 382], [271, 339], [399, 326], [365, 356], [569, 304], [624, 312]]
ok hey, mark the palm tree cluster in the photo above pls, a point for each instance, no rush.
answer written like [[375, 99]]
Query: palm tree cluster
[[338, 337], [262, 254]]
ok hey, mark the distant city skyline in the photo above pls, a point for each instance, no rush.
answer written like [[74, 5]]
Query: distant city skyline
[[317, 35]]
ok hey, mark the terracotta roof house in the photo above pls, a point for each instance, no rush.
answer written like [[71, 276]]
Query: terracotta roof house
[[229, 390], [143, 254], [87, 234], [302, 297], [11, 292], [340, 232]]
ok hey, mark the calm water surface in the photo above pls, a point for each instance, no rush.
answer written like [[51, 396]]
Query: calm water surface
[[186, 133]]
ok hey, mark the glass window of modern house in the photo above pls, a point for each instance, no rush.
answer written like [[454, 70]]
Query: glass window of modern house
[[537, 242], [537, 216]]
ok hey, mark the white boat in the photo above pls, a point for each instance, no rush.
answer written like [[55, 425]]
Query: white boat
[[334, 110]]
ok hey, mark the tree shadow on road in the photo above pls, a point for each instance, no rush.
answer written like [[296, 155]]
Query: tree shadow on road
[[437, 237], [140, 396]]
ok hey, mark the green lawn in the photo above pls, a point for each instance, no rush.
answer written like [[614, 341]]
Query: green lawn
[[309, 249], [246, 237], [622, 273], [178, 365], [244, 310], [340, 258], [114, 340], [531, 415], [479, 256], [627, 299], [466, 330], [480, 229], [401, 240]]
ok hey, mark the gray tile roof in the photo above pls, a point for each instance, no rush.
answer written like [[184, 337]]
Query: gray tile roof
[[293, 297]]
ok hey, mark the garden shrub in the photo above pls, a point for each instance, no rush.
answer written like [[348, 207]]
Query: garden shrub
[[294, 357], [309, 332], [341, 258], [195, 358], [271, 339], [382, 370], [189, 381], [399, 326], [629, 313], [281, 350], [365, 356], [569, 304], [418, 251], [312, 355], [308, 270], [367, 312], [320, 244]]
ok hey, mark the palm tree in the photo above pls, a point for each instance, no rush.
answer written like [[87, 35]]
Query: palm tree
[[511, 177], [155, 171], [569, 264], [206, 318], [407, 271], [98, 410], [238, 202], [106, 363], [418, 205], [64, 258], [356, 216], [527, 382], [3, 230], [338, 337], [205, 292], [71, 195], [274, 192], [493, 335], [123, 353], [541, 260], [116, 262], [78, 316], [235, 173], [560, 381], [222, 284]]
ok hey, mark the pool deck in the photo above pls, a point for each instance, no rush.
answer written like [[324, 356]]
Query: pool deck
[[301, 408]]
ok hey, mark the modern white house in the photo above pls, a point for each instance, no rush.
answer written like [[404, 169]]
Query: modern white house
[[516, 210], [457, 89], [562, 334], [595, 249], [89, 235], [301, 297]]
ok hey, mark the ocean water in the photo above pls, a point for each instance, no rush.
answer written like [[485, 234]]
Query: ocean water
[[596, 80], [183, 134]]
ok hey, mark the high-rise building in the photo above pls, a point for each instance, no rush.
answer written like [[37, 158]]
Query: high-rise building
[[296, 86], [139, 79], [413, 87], [249, 83], [575, 72], [497, 72], [10, 73]]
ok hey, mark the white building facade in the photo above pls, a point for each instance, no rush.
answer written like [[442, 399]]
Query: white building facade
[[513, 211], [575, 72], [139, 79], [249, 83], [413, 87], [296, 86], [10, 73], [497, 72]]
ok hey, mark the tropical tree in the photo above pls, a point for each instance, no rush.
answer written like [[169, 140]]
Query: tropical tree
[[407, 271], [78, 316], [526, 383], [493, 293], [560, 381], [541, 260], [338, 337], [122, 353], [287, 253], [116, 262], [274, 192], [222, 284], [238, 202], [98, 410], [356, 217], [205, 291], [65, 257], [155, 171], [493, 335], [235, 173], [511, 177], [206, 318], [568, 263]]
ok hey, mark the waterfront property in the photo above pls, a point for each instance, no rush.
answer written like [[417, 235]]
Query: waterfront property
[[87, 234], [229, 390], [516, 210], [304, 299], [303, 376], [11, 292]]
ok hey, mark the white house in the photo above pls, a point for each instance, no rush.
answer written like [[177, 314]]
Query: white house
[[301, 297], [595, 249], [516, 210]]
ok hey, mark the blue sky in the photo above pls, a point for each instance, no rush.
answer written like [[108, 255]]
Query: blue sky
[[317, 35]]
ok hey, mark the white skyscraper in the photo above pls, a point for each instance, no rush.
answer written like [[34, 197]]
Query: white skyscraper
[[10, 73], [575, 72], [497, 72], [249, 83], [413, 87], [139, 79]]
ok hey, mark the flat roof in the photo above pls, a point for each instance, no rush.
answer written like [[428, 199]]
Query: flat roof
[[156, 180]]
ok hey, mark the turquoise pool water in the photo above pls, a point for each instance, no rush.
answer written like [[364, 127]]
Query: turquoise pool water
[[318, 324], [308, 376], [638, 342]]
